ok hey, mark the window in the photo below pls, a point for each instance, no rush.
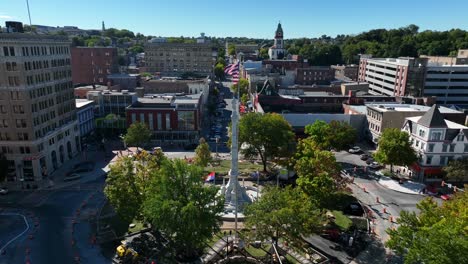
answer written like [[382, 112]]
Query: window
[[428, 159], [466, 148], [150, 121], [436, 135], [452, 147], [133, 118], [430, 148], [142, 117], [423, 145], [422, 133], [417, 143], [461, 137], [443, 160], [168, 121], [159, 121], [186, 120], [444, 148]]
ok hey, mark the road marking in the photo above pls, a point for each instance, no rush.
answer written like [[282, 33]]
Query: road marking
[[24, 231]]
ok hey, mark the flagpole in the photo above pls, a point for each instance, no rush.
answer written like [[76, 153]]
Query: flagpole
[[237, 132]]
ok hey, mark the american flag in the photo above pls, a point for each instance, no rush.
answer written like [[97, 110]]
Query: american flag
[[233, 70]]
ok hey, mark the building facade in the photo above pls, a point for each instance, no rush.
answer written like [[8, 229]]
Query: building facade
[[392, 115], [437, 141], [111, 102], [92, 65], [125, 81], [393, 77], [448, 83], [174, 120], [38, 127], [173, 59], [346, 72], [277, 51], [314, 75], [85, 116]]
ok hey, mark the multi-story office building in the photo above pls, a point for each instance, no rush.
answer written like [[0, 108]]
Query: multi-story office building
[[38, 127], [437, 141], [164, 58], [92, 65], [392, 115], [393, 77], [448, 83]]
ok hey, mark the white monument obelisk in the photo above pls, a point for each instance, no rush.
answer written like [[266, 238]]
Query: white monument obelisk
[[234, 195]]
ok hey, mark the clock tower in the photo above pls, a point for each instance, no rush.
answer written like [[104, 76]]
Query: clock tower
[[277, 51]]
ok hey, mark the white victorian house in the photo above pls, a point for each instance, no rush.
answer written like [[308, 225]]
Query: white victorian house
[[437, 141]]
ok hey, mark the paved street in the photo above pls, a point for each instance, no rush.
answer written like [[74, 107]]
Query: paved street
[[368, 190], [59, 220]]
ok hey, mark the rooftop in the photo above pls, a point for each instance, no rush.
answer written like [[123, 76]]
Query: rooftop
[[449, 124], [93, 87], [82, 102], [392, 107]]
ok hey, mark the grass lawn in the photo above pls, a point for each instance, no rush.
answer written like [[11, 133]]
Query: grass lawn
[[138, 226], [292, 260], [258, 252], [224, 166], [341, 220]]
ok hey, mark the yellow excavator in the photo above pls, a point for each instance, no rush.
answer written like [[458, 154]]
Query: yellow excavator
[[126, 252]]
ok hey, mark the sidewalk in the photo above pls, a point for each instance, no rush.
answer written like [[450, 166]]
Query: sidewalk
[[408, 187]]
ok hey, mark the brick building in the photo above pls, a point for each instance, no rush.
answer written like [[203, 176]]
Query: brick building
[[91, 65], [315, 75], [172, 119]]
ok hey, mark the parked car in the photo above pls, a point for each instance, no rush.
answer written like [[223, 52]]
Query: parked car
[[355, 209], [364, 156], [72, 177], [354, 150], [190, 146], [374, 165], [446, 197], [3, 191], [369, 161]]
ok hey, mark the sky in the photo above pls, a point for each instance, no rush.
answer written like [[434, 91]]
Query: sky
[[241, 18]]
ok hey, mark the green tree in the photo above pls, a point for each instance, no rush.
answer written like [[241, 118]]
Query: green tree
[[244, 98], [283, 213], [269, 136], [232, 49], [437, 235], [395, 149], [221, 61], [219, 71], [202, 153], [243, 84], [457, 170], [263, 54], [138, 134], [317, 170], [343, 135], [337, 134], [127, 183], [183, 208], [137, 48]]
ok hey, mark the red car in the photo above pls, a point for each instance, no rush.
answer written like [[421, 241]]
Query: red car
[[446, 197]]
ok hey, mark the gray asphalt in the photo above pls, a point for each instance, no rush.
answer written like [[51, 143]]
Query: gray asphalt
[[50, 214]]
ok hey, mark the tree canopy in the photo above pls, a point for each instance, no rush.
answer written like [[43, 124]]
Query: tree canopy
[[437, 235], [266, 135], [138, 134], [219, 71], [337, 134], [457, 170], [243, 84], [283, 213], [180, 206], [395, 148], [127, 183], [202, 153]]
